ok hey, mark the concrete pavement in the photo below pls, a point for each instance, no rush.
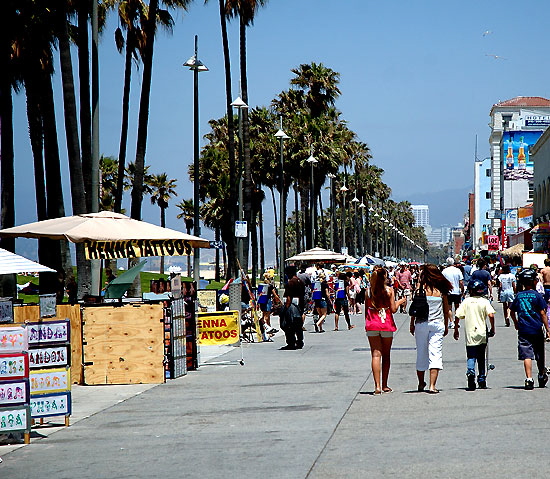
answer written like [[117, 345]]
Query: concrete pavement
[[305, 413]]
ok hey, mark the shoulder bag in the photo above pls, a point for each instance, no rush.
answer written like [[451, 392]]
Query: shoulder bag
[[419, 307]]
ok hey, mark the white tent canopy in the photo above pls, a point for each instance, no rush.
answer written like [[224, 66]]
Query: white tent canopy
[[319, 254], [11, 263]]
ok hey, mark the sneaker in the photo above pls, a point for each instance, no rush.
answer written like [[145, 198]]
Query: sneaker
[[543, 380], [471, 382], [451, 325], [481, 383], [529, 384]]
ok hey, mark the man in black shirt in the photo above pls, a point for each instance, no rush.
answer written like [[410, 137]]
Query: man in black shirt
[[291, 319]]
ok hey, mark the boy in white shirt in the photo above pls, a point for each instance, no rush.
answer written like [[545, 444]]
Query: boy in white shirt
[[475, 310]]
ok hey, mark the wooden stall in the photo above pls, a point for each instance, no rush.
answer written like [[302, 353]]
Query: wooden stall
[[31, 313], [123, 344]]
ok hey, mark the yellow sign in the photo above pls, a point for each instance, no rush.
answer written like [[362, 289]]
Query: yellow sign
[[136, 248], [220, 327]]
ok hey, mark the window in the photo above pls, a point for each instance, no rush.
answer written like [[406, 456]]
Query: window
[[488, 172], [488, 195], [531, 191]]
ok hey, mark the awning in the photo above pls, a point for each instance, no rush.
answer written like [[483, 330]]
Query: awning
[[11, 263]]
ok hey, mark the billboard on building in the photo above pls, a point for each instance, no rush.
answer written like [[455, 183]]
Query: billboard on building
[[516, 161], [511, 221], [525, 218]]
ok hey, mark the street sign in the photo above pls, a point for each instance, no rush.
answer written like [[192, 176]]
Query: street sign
[[241, 229], [492, 242]]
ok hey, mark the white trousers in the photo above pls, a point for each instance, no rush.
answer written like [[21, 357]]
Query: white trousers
[[429, 345]]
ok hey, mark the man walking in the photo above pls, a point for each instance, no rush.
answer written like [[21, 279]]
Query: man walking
[[483, 274], [455, 277], [404, 278], [291, 319]]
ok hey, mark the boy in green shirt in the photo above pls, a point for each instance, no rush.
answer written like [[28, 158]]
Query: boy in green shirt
[[475, 310]]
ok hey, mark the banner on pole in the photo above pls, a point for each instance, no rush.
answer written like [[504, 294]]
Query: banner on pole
[[220, 327]]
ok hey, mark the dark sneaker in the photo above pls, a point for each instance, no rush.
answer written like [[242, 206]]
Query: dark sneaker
[[287, 347], [543, 380], [471, 382], [481, 383], [529, 384]]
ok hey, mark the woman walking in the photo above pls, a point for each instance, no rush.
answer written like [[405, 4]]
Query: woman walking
[[380, 306], [321, 298], [507, 290], [429, 332]]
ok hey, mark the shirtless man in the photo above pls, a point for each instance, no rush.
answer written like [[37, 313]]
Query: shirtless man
[[545, 272]]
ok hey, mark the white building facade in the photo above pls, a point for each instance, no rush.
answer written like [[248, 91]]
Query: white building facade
[[421, 215]]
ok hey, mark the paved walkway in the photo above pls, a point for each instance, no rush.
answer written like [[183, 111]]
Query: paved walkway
[[308, 413]]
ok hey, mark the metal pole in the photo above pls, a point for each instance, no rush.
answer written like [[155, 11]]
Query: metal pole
[[240, 249], [281, 220], [196, 185]]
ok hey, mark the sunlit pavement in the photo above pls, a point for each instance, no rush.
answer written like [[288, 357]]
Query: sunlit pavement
[[306, 413]]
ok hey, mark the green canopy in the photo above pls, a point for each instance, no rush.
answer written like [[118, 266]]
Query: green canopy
[[118, 286]]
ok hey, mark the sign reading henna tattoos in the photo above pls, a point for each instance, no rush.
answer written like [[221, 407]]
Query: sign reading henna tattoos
[[14, 419]]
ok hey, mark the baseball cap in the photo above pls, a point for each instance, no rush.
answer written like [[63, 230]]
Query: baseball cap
[[450, 261]]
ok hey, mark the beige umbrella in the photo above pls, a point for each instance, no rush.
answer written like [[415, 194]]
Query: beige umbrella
[[110, 232], [317, 254]]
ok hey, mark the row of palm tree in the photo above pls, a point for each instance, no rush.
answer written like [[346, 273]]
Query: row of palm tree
[[315, 127]]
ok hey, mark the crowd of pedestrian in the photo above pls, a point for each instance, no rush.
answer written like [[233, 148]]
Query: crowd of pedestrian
[[441, 298]]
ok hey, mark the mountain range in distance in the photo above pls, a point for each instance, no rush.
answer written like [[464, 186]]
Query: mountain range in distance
[[447, 207]]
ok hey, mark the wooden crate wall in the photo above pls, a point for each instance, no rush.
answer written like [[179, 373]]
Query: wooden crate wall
[[123, 344]]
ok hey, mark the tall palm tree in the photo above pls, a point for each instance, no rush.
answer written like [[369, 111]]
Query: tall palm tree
[[187, 213], [245, 10], [149, 22], [163, 190]]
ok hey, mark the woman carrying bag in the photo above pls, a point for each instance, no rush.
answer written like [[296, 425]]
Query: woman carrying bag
[[380, 306], [430, 327]]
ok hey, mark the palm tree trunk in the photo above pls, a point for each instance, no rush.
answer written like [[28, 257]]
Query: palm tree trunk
[[85, 105], [321, 223], [7, 282], [162, 225], [231, 243], [73, 149], [124, 128], [275, 219], [247, 191], [217, 238], [262, 244], [254, 246], [298, 223], [306, 211]]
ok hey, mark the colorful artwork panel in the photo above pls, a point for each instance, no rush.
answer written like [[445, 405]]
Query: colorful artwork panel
[[14, 366], [13, 339], [48, 357], [15, 419], [50, 381], [49, 332], [46, 405], [14, 392]]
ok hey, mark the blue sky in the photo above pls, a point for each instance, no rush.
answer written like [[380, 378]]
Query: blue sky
[[416, 79]]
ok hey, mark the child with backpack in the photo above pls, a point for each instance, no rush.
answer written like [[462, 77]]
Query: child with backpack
[[475, 310], [528, 312]]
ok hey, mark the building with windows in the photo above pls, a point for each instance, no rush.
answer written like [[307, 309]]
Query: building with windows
[[482, 203], [516, 125], [421, 215]]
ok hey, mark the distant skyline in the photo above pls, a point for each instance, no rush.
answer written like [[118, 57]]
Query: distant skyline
[[418, 80]]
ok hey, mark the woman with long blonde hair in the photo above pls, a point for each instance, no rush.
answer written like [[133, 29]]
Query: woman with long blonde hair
[[380, 306]]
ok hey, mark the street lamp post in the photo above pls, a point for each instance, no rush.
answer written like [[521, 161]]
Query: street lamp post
[[362, 207], [197, 66], [282, 137], [343, 189], [355, 200], [312, 160], [331, 176], [239, 104]]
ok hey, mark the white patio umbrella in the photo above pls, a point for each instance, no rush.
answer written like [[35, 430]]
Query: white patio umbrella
[[102, 226], [11, 263]]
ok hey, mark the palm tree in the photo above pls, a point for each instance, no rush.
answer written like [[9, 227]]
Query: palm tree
[[246, 11], [149, 29], [187, 213], [163, 190]]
